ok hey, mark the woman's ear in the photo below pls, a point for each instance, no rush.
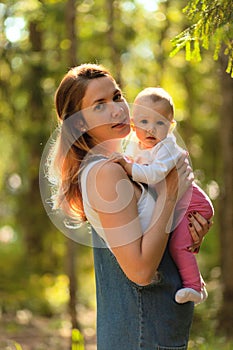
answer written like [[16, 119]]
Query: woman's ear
[[81, 125]]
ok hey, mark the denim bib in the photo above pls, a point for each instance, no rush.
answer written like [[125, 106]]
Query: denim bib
[[133, 317]]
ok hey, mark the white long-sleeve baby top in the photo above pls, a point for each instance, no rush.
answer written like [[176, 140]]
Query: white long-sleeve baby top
[[152, 165]]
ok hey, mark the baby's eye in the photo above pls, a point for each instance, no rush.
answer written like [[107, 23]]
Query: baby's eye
[[160, 122], [144, 121]]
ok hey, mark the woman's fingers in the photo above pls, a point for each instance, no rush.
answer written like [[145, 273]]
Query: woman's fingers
[[198, 228], [196, 245], [204, 223], [182, 162], [185, 174], [183, 166]]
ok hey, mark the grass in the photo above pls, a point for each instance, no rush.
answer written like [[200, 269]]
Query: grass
[[212, 343], [204, 334]]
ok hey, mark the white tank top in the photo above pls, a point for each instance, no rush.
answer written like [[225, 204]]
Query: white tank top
[[146, 204]]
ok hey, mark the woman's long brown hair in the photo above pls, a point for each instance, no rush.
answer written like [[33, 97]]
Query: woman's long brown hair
[[71, 145]]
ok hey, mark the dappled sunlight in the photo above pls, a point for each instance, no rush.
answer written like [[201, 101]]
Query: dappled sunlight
[[40, 41], [56, 290], [14, 182], [15, 29], [7, 234], [213, 189]]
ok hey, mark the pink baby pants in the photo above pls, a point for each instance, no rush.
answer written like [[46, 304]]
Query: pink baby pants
[[193, 200]]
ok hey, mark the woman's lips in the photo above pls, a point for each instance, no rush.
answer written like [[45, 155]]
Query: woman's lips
[[120, 124]]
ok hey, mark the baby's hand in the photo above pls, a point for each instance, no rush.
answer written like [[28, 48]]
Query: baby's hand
[[124, 161], [115, 157], [118, 158]]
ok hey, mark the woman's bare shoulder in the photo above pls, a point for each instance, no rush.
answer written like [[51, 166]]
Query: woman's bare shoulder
[[107, 170], [104, 181]]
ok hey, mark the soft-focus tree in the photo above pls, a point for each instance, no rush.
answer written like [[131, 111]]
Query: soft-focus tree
[[26, 83], [72, 247], [134, 42], [213, 24], [226, 203]]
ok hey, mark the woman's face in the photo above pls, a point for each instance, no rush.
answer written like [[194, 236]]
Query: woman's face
[[105, 111]]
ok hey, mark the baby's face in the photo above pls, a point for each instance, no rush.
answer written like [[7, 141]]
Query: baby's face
[[152, 122]]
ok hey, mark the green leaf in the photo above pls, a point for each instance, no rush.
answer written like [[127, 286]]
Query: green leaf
[[196, 51], [188, 50], [217, 49], [77, 340], [230, 66], [17, 346]]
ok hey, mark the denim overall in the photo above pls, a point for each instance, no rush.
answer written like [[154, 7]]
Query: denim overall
[[132, 317]]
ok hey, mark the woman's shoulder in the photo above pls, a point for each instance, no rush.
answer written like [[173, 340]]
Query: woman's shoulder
[[106, 184], [106, 172], [98, 166], [103, 173]]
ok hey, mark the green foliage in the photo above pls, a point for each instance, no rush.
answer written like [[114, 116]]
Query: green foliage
[[17, 346], [77, 340], [213, 24], [33, 274]]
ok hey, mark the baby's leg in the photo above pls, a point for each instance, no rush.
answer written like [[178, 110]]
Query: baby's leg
[[194, 199], [187, 265], [193, 284], [185, 260]]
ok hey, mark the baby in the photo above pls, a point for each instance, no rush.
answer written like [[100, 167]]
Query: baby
[[154, 154]]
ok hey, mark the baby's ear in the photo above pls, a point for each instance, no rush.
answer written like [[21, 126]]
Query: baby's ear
[[132, 125], [172, 125]]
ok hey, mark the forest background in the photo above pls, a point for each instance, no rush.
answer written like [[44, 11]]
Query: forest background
[[46, 279]]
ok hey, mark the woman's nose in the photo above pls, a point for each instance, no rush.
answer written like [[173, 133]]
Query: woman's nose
[[117, 110]]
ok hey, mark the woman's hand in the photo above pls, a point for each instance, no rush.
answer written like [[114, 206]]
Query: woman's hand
[[185, 174], [198, 228]]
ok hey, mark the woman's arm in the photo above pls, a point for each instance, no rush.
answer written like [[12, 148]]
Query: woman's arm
[[112, 195]]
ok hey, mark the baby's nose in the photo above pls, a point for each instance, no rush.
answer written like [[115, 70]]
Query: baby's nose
[[152, 129]]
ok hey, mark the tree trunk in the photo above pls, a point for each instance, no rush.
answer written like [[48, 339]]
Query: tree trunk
[[70, 19], [113, 7], [72, 247], [71, 250], [226, 204], [30, 212]]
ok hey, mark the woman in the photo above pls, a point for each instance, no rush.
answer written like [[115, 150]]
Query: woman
[[136, 278]]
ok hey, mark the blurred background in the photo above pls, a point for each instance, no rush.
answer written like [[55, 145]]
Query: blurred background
[[47, 280]]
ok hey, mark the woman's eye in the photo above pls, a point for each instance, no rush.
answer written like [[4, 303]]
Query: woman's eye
[[99, 107], [144, 121], [118, 97]]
